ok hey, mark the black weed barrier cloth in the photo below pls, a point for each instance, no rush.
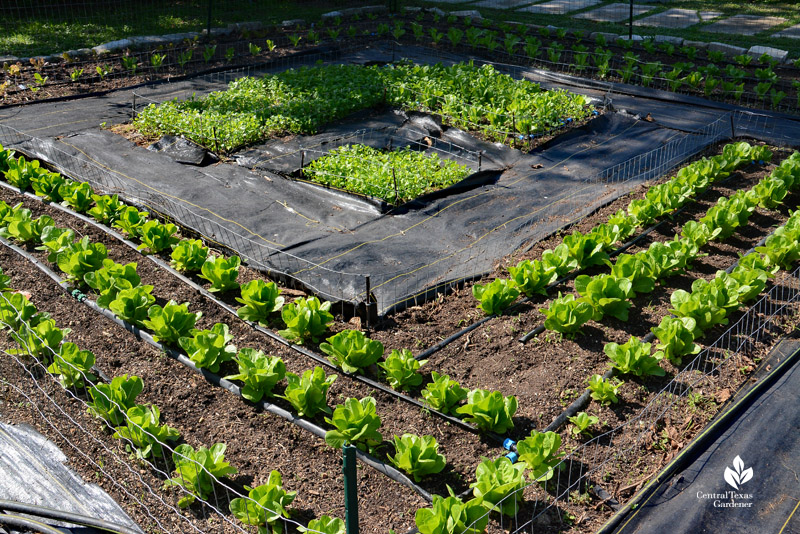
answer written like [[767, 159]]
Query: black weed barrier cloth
[[740, 475], [339, 244]]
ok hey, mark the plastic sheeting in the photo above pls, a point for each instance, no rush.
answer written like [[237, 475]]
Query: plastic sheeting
[[33, 471]]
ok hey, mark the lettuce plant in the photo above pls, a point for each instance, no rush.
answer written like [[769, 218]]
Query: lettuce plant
[[308, 393], [352, 350], [324, 524], [40, 341], [130, 220], [110, 279], [131, 304], [489, 410], [76, 195], [699, 233], [770, 192], [417, 455], [400, 368], [751, 282], [759, 262], [47, 185], [305, 319], [189, 255], [677, 335], [782, 248], [566, 314], [208, 349], [55, 240], [539, 452], [111, 401], [499, 483], [633, 357], [636, 269], [171, 322], [72, 366], [559, 260], [496, 296], [80, 258], [606, 294], [196, 471], [266, 505], [532, 277], [156, 237], [450, 515], [604, 390], [260, 373], [260, 298], [23, 229], [106, 208], [21, 173], [221, 272], [17, 311], [581, 423], [145, 432], [356, 423], [706, 304], [4, 279], [587, 249], [443, 394]]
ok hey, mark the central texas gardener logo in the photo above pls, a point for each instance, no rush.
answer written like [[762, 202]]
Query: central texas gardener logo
[[738, 475]]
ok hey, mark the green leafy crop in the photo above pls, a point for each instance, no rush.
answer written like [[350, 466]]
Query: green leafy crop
[[171, 322], [677, 335], [110, 279], [532, 277], [22, 228], [80, 258], [73, 366], [156, 237], [106, 208], [606, 294], [356, 423], [76, 195], [450, 515], [539, 452], [145, 432], [196, 471], [324, 524], [47, 185], [417, 455], [352, 350], [581, 423], [604, 390], [266, 505], [305, 319], [189, 255], [111, 401], [308, 393], [132, 304], [208, 349], [130, 220], [566, 314], [55, 240], [496, 296], [489, 410], [260, 373], [500, 484], [443, 394], [260, 299], [400, 368], [221, 272], [40, 341], [633, 357]]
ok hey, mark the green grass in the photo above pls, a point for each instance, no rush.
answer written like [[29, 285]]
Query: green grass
[[50, 33]]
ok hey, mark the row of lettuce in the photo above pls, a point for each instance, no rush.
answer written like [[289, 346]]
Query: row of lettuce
[[119, 288], [301, 101]]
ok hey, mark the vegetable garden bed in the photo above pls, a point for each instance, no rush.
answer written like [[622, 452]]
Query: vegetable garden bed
[[489, 357]]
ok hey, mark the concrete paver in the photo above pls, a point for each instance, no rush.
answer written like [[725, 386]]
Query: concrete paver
[[744, 24], [676, 18], [793, 32], [559, 7], [614, 12]]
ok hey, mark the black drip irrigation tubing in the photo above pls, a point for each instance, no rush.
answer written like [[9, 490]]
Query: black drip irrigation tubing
[[583, 400], [269, 333], [27, 524], [69, 517], [369, 460]]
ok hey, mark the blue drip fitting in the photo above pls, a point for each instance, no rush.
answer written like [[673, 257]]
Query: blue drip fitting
[[513, 456], [509, 444]]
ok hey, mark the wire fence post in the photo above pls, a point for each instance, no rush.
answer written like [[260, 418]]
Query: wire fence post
[[370, 304], [208, 22], [630, 23], [350, 489]]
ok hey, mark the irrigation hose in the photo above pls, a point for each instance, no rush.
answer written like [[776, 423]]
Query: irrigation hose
[[69, 517], [28, 524], [269, 333], [699, 442], [369, 460]]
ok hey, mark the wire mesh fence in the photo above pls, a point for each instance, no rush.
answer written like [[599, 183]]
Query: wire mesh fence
[[63, 392], [539, 504]]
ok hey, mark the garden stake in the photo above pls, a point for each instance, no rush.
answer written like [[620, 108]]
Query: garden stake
[[302, 159], [350, 489], [396, 195], [133, 111]]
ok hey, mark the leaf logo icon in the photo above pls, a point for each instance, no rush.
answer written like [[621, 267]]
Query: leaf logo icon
[[738, 475]]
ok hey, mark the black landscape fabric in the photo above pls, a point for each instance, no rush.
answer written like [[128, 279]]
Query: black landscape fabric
[[745, 480]]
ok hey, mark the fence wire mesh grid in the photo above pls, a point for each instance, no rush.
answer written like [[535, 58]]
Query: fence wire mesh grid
[[35, 372]]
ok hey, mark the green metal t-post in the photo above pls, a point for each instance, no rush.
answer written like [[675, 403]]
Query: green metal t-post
[[350, 489]]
